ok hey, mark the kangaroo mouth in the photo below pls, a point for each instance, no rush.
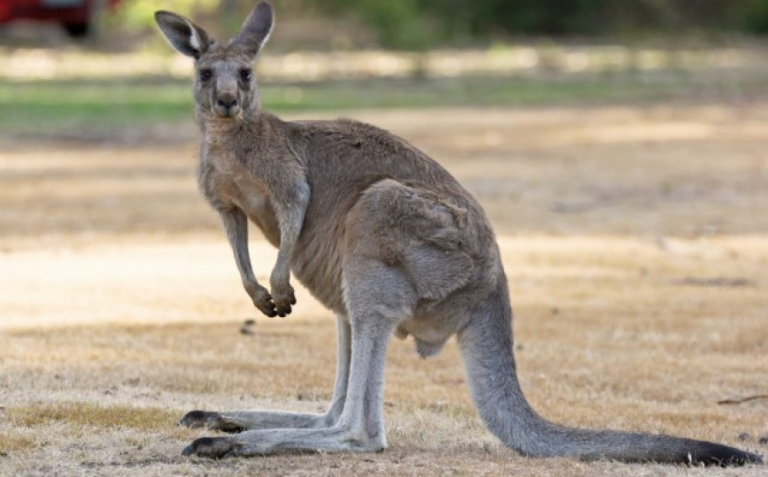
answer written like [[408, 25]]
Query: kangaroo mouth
[[227, 112]]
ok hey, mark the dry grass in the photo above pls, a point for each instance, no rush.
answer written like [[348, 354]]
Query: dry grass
[[82, 415], [12, 444], [638, 260]]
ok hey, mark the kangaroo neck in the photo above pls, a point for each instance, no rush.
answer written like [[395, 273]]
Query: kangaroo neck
[[249, 124]]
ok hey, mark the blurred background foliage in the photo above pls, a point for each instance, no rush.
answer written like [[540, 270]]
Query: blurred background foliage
[[420, 24], [344, 54]]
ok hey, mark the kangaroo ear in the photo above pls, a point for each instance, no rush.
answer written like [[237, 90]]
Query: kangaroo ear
[[256, 29], [186, 37]]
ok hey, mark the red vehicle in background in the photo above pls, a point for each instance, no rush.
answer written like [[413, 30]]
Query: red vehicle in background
[[78, 17]]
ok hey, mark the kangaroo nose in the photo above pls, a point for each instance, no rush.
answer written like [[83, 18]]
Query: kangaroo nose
[[226, 103]]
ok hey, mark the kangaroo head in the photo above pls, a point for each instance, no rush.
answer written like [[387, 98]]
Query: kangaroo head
[[225, 86]]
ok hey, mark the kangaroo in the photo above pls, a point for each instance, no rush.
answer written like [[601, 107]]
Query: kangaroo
[[386, 238]]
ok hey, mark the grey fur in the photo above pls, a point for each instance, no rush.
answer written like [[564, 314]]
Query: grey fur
[[385, 237]]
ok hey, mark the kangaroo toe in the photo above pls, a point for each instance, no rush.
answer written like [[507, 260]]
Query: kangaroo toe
[[195, 419], [210, 420]]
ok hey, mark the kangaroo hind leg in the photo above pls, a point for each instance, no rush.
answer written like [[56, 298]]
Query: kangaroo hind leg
[[377, 297], [239, 421], [417, 230]]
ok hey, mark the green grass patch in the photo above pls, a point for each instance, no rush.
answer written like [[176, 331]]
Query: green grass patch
[[103, 108], [90, 107]]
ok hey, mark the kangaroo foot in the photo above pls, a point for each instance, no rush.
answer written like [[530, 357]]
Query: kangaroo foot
[[211, 447], [210, 420]]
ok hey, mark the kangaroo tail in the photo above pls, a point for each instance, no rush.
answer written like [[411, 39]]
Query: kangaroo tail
[[486, 347]]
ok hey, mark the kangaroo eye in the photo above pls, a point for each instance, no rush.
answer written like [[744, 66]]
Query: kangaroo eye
[[246, 74], [206, 74]]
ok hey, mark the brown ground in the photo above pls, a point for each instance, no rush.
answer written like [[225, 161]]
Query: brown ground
[[636, 240]]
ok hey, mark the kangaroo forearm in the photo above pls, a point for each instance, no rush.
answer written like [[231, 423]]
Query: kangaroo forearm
[[290, 215], [290, 205], [236, 226]]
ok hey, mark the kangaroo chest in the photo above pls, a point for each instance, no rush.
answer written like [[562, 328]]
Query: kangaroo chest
[[227, 183]]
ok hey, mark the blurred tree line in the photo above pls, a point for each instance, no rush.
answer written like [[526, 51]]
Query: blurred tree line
[[416, 23], [421, 24]]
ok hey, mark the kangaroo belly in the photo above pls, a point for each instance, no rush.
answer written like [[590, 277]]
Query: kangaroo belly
[[317, 257], [316, 263]]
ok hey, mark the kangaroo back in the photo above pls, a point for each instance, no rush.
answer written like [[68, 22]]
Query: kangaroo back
[[486, 348]]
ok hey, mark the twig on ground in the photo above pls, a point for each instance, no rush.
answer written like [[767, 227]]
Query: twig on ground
[[743, 400]]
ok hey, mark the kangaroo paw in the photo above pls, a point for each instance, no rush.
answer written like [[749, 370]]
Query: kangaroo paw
[[283, 298], [264, 302]]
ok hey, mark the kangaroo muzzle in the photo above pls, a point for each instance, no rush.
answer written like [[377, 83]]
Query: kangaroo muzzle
[[226, 105]]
